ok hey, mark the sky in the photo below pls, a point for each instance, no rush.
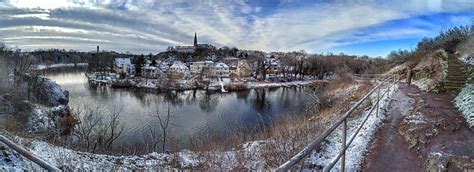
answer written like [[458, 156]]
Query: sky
[[359, 27]]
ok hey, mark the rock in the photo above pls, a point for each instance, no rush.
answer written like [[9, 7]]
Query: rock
[[441, 161], [47, 92], [53, 93], [437, 162]]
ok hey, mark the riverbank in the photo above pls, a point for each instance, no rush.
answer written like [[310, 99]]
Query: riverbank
[[222, 85], [60, 65]]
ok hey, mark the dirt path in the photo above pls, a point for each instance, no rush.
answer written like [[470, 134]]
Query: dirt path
[[388, 146], [422, 132]]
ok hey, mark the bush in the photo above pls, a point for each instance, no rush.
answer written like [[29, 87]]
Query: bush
[[399, 56]]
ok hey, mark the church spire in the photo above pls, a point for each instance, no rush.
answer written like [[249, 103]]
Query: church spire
[[195, 39]]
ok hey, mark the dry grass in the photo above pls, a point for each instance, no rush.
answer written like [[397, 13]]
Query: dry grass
[[67, 123], [290, 137], [287, 137]]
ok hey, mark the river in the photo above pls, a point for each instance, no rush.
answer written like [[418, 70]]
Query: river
[[197, 114]]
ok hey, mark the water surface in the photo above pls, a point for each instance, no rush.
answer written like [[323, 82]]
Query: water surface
[[193, 113]]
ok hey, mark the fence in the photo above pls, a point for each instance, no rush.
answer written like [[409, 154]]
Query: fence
[[343, 121], [25, 153]]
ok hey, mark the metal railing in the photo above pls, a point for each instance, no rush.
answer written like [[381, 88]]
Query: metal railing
[[28, 154], [341, 156]]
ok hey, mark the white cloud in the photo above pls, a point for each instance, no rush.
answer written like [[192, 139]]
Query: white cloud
[[152, 25]]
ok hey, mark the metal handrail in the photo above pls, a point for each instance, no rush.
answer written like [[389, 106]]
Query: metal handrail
[[307, 150], [28, 154], [346, 146]]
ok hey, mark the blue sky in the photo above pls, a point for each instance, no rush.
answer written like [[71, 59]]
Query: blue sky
[[370, 27]]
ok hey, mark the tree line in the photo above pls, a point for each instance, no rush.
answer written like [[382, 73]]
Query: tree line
[[452, 40]]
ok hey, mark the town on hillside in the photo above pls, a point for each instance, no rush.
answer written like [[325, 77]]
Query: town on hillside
[[234, 71]]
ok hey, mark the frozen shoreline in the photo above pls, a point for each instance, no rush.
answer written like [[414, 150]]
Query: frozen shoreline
[[184, 85], [44, 67]]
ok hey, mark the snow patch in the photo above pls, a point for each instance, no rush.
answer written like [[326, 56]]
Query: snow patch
[[465, 103], [70, 160], [416, 118], [43, 66], [425, 84], [468, 59], [358, 148]]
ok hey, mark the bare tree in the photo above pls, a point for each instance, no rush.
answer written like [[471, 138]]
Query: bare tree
[[5, 69], [23, 64], [164, 122], [114, 128], [88, 126], [98, 133]]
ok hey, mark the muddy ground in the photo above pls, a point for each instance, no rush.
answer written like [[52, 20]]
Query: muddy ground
[[422, 132]]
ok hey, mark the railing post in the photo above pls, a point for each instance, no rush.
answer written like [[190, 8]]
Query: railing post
[[343, 147], [378, 102]]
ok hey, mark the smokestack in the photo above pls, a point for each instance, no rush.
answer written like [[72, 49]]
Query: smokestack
[[97, 49]]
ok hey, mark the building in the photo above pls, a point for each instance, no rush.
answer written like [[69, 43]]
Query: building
[[124, 66], [164, 66], [242, 69], [219, 70], [191, 49], [151, 72], [196, 67], [178, 70], [182, 49], [273, 66]]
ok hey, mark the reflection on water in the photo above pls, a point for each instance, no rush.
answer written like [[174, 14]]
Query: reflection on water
[[196, 113]]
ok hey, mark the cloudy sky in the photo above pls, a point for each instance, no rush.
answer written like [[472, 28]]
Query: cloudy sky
[[372, 27]]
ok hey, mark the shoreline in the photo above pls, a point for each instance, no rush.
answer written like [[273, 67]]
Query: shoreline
[[59, 65], [214, 88]]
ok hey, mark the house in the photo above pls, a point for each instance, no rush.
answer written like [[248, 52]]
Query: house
[[124, 66], [233, 71], [151, 72], [196, 67], [178, 70], [242, 69], [164, 66], [219, 70], [272, 66]]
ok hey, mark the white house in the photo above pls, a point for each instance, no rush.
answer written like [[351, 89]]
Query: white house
[[178, 69], [219, 70], [196, 67], [164, 66], [124, 65]]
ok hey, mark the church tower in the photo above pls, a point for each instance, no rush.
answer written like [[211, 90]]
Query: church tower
[[195, 40]]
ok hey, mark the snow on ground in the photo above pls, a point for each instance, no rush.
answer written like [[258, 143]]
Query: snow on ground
[[40, 120], [81, 161], [425, 84], [468, 59], [10, 160], [416, 118], [465, 102], [357, 149], [276, 84], [147, 83], [43, 67]]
